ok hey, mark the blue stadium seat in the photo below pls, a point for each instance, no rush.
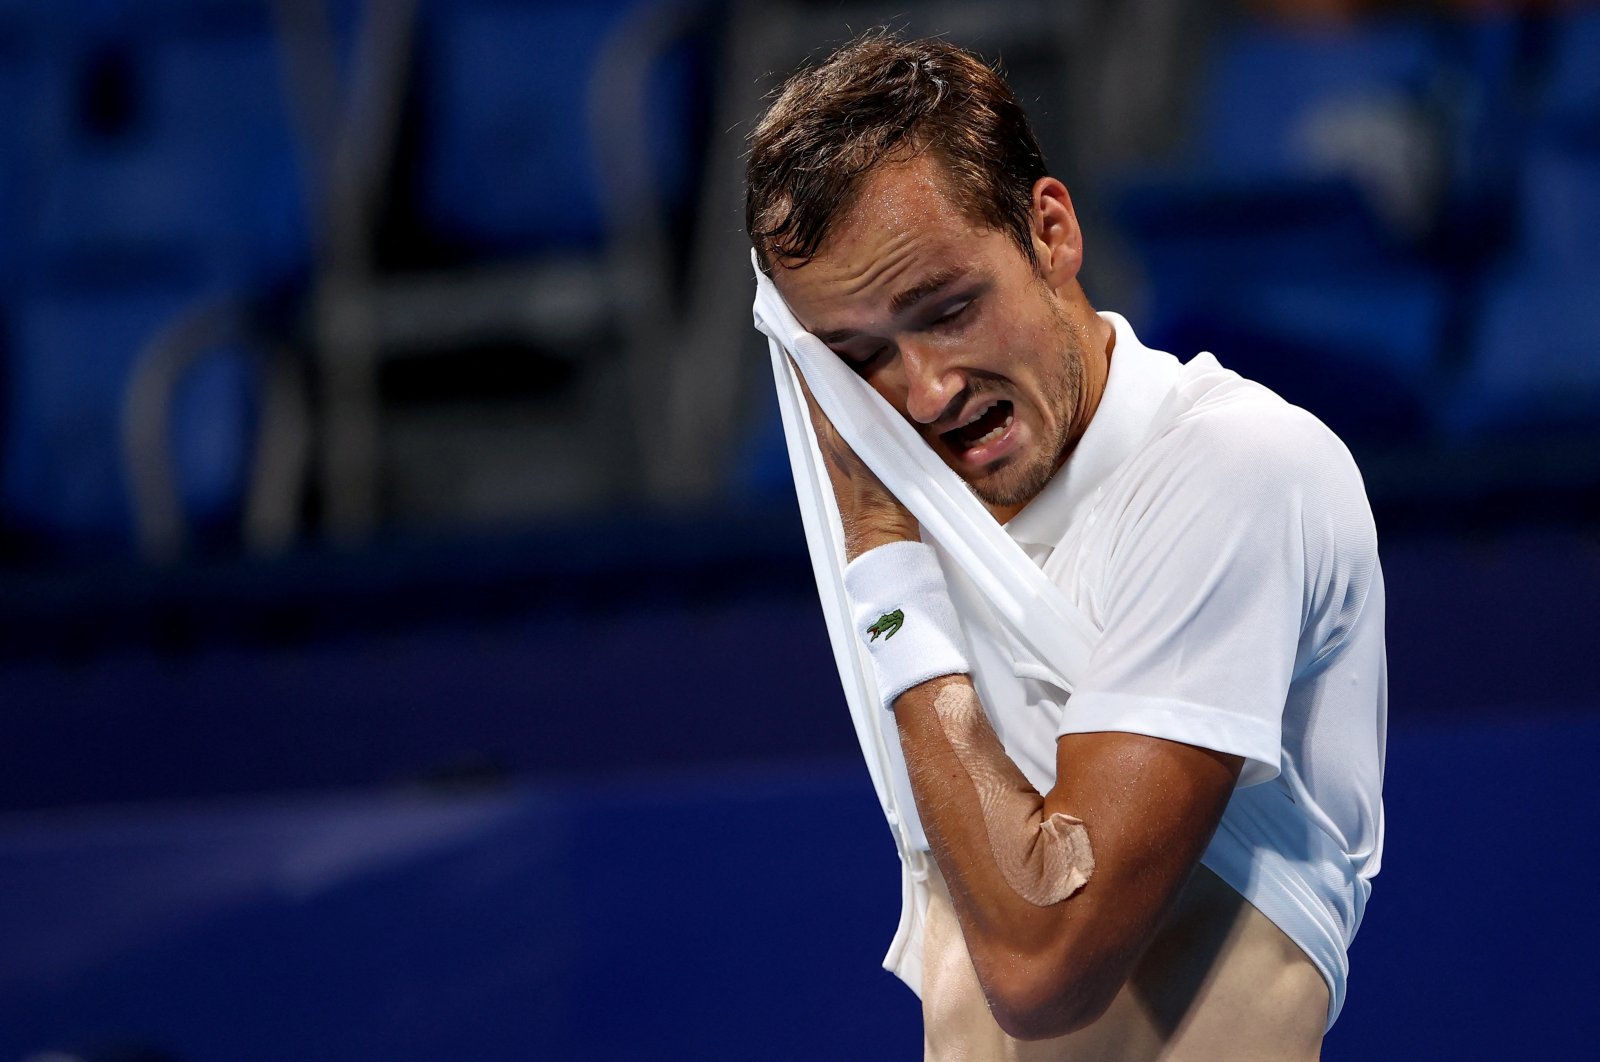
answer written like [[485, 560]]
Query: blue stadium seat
[[1274, 96], [1535, 366], [1559, 216], [1571, 91], [1358, 350], [203, 170], [155, 167], [1479, 93], [71, 352], [1291, 242], [1559, 194], [1192, 224], [508, 162], [34, 105]]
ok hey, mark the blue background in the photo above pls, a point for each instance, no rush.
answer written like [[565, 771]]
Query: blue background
[[518, 735]]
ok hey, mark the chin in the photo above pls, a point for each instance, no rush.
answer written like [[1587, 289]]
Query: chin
[[1012, 485]]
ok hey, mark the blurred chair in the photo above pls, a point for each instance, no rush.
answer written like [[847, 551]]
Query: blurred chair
[[1480, 95], [500, 179], [208, 359], [1534, 362], [510, 161], [74, 351], [1300, 103], [199, 166], [1558, 207], [35, 101], [158, 159], [1559, 195], [1292, 241], [1572, 84]]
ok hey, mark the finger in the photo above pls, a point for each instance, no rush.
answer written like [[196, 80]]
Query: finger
[[827, 434], [843, 462]]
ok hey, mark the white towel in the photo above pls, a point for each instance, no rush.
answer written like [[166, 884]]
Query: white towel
[[1033, 609]]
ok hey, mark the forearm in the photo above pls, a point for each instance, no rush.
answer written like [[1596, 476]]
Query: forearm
[[1010, 865]]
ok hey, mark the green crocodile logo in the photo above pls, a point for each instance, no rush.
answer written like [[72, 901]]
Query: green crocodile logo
[[888, 624]]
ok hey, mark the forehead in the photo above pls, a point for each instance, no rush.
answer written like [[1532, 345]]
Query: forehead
[[903, 224]]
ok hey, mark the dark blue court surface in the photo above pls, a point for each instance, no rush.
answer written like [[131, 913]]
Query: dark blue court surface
[[738, 915], [652, 918]]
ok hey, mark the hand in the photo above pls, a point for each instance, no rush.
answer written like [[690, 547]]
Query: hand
[[871, 515]]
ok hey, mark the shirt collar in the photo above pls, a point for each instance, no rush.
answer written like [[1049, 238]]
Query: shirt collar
[[1137, 383]]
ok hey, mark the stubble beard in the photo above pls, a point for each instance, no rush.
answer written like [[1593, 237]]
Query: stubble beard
[[1019, 481]]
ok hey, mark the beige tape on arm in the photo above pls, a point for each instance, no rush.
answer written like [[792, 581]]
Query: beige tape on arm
[[1043, 859]]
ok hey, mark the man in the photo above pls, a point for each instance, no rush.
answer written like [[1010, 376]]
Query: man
[[1169, 860]]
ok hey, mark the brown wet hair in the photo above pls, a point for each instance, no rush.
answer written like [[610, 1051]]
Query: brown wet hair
[[882, 99]]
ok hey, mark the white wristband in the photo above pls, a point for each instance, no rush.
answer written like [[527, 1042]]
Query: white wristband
[[904, 617]]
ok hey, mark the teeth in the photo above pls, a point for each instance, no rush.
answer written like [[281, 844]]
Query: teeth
[[992, 434], [979, 414]]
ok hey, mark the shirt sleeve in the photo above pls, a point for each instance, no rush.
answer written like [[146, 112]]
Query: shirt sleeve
[[1208, 587]]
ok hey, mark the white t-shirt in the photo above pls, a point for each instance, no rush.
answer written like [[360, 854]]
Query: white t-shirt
[[1220, 541]]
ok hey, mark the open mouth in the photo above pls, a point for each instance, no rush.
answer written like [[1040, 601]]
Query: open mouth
[[982, 431]]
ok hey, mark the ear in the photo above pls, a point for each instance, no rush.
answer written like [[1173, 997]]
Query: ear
[[1057, 240]]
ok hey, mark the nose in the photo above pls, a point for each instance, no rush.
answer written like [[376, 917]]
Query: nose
[[931, 383]]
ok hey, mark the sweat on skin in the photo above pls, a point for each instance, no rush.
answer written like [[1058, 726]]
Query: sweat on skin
[[973, 329], [1044, 859]]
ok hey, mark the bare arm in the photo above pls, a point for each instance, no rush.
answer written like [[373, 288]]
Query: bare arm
[[1050, 950], [1148, 808]]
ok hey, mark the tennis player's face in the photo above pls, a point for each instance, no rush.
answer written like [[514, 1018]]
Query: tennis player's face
[[975, 345]]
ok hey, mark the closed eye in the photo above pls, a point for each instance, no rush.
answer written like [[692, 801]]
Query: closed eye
[[861, 361], [952, 314], [952, 317]]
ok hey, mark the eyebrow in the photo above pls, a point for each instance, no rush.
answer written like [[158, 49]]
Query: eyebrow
[[917, 292], [904, 300]]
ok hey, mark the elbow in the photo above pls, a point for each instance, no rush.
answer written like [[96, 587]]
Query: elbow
[[1034, 1003]]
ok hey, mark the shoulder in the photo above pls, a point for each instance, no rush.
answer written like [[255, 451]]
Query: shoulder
[[1240, 466], [1249, 442], [1236, 453]]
